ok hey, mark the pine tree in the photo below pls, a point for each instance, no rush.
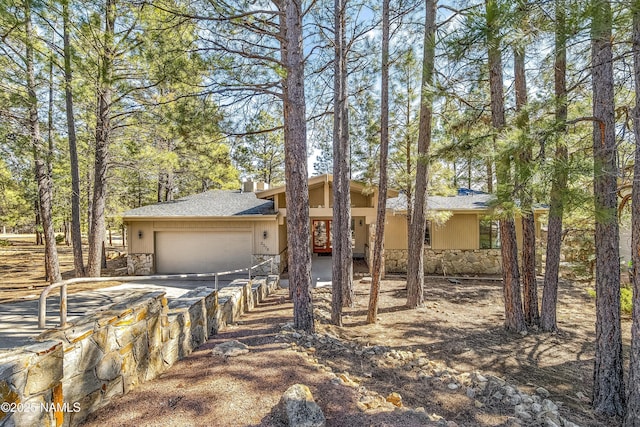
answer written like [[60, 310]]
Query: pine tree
[[525, 170], [560, 176], [632, 417], [415, 261], [608, 386], [378, 245], [514, 316], [295, 140], [76, 232], [42, 154], [103, 135], [342, 258]]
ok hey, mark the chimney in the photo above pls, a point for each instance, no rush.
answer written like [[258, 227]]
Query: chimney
[[250, 186]]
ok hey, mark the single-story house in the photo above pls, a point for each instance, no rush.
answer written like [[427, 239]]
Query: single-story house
[[461, 236], [227, 230]]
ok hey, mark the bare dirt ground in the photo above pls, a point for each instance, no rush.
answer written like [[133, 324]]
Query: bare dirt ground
[[22, 273], [460, 328]]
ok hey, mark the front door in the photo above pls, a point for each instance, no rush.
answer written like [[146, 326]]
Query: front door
[[322, 236]]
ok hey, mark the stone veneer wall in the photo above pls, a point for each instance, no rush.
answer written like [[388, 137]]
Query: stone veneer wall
[[448, 261], [140, 265], [278, 266], [144, 265], [83, 366]]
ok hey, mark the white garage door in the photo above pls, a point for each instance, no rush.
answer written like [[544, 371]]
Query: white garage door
[[202, 251]]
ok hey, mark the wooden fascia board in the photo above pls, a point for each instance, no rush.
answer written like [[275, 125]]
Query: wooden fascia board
[[201, 218]]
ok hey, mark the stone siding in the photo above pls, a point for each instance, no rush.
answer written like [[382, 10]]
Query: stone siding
[[451, 261], [144, 264], [140, 265], [83, 366], [266, 268]]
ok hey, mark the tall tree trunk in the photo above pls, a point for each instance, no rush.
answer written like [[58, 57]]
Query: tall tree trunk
[[608, 385], [409, 163], [378, 245], [295, 145], [90, 200], [103, 136], [560, 176], [632, 418], [336, 265], [342, 258], [489, 168], [168, 193], [76, 232], [160, 186], [38, 220], [65, 229], [348, 292], [525, 171], [415, 260], [41, 153], [50, 144], [514, 316]]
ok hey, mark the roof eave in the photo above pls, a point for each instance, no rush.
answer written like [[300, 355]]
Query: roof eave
[[317, 180], [200, 218], [464, 211]]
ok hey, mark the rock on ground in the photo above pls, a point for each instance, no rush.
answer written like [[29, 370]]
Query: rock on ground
[[299, 409], [230, 349]]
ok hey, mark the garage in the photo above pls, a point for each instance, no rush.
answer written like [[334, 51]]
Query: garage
[[202, 251]]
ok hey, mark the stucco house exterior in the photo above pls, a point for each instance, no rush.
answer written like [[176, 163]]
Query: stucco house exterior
[[227, 230], [461, 235]]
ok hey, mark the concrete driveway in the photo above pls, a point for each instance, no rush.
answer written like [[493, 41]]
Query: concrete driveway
[[19, 320]]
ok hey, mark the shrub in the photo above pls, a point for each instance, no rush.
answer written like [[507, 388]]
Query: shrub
[[626, 301], [59, 238], [4, 242], [626, 295]]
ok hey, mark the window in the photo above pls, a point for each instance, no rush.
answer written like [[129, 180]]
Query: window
[[427, 234], [489, 234], [353, 233]]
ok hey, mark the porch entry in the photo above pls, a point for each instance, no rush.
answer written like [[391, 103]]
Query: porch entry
[[322, 236]]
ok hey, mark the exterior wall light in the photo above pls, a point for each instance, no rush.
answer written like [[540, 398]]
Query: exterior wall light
[[264, 234], [139, 234]]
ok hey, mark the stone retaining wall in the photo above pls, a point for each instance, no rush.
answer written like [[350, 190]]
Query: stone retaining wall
[[30, 377], [266, 269], [451, 261], [83, 366]]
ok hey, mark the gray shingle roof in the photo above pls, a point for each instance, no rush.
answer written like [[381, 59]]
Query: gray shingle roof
[[213, 203], [446, 203]]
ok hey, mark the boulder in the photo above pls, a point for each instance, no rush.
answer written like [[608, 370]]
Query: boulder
[[230, 349], [298, 409]]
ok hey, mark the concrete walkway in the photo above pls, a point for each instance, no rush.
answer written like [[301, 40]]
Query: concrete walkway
[[321, 272], [19, 320]]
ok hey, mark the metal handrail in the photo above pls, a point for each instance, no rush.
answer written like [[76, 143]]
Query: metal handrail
[[42, 302]]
